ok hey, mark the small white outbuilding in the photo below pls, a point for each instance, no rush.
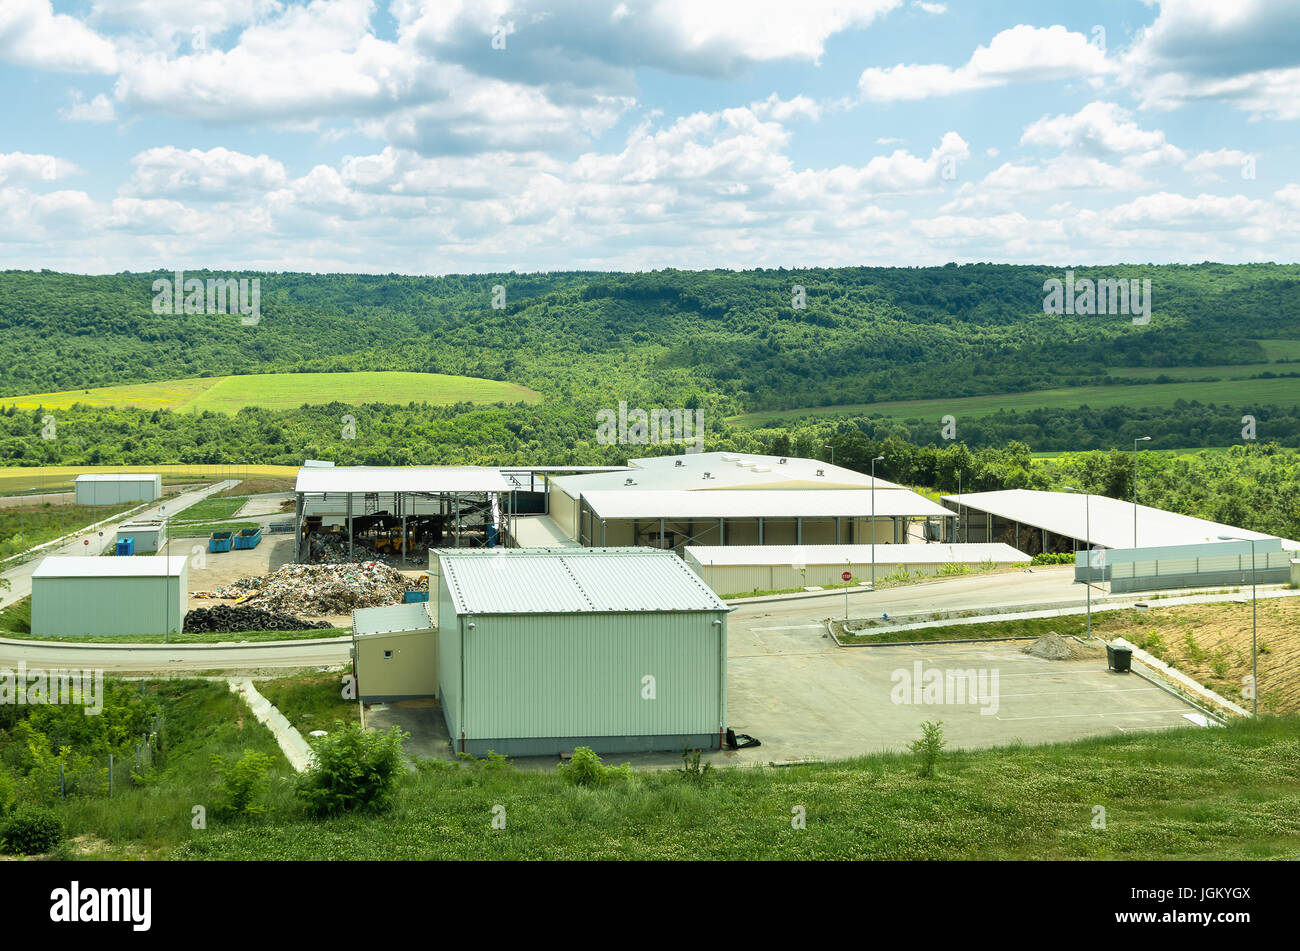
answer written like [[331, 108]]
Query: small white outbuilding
[[113, 488]]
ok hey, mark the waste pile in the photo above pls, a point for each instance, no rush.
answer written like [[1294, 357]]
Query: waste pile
[[316, 590], [224, 619]]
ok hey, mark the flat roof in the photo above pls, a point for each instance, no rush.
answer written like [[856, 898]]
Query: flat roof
[[392, 619], [726, 471], [966, 553], [87, 566], [540, 531], [118, 477], [572, 581], [759, 503], [434, 479], [1109, 520]]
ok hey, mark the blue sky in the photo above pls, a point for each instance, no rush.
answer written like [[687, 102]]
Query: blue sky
[[367, 135]]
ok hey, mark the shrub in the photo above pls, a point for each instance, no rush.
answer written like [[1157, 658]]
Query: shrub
[[691, 769], [7, 791], [927, 748], [242, 782], [1053, 558], [31, 831], [586, 769], [355, 770]]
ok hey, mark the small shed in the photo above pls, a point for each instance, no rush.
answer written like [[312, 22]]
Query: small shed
[[104, 488], [395, 652], [149, 534], [89, 595], [542, 650]]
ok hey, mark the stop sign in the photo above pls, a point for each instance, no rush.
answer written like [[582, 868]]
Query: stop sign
[[847, 576], [85, 541]]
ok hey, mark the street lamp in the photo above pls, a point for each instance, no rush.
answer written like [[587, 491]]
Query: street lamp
[[1087, 530], [1135, 486], [959, 506], [873, 519], [1254, 653]]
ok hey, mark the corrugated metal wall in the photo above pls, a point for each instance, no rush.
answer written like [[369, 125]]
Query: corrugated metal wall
[[448, 656], [581, 675], [64, 606]]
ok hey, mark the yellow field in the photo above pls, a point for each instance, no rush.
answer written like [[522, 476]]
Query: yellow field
[[230, 394], [59, 478]]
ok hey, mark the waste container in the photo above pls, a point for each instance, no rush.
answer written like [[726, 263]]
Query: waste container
[[126, 546], [220, 541], [1119, 658]]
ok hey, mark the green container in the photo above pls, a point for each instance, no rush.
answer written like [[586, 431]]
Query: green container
[[1119, 659]]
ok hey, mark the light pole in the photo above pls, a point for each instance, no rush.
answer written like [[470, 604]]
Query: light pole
[[1135, 486], [1254, 653], [959, 506], [1087, 530], [873, 520]]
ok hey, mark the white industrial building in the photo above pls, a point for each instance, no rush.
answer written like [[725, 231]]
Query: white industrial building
[[104, 488], [718, 498], [88, 595], [736, 569]]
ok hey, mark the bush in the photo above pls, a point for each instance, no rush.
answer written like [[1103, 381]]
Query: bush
[[31, 831], [1054, 558], [692, 770], [8, 791], [927, 748], [355, 770], [586, 769], [242, 783]]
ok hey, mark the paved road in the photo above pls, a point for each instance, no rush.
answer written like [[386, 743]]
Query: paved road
[[167, 659], [20, 578]]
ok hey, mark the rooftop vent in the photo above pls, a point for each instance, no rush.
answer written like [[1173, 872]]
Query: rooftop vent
[[629, 482], [678, 463], [708, 475], [782, 462], [730, 458], [821, 472]]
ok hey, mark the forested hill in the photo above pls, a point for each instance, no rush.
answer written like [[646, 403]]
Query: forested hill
[[731, 339]]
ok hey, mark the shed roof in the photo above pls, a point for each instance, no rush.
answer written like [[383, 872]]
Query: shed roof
[[720, 555], [401, 479], [139, 566], [755, 503], [725, 471], [1110, 521], [392, 619], [119, 477], [572, 580]]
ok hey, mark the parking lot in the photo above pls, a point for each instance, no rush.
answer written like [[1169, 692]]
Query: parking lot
[[805, 698]]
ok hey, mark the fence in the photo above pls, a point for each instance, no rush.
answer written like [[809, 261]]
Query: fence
[[1270, 567]]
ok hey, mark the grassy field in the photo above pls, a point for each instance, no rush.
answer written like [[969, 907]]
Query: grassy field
[[311, 701], [211, 510], [24, 526], [229, 394], [1284, 391], [15, 479], [204, 529], [1191, 793]]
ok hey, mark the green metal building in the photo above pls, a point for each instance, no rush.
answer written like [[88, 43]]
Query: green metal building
[[87, 595], [542, 650]]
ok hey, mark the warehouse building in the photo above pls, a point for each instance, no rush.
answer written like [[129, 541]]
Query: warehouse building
[[117, 488], [544, 650], [1035, 521], [84, 595], [718, 498], [737, 569], [395, 652]]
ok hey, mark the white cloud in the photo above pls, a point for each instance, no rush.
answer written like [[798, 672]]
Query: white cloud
[[215, 174], [32, 34], [1099, 128], [28, 168], [782, 110], [932, 8], [99, 109], [1020, 54]]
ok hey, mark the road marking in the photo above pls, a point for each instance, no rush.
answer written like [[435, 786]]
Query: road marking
[[792, 627], [1058, 693], [1071, 716]]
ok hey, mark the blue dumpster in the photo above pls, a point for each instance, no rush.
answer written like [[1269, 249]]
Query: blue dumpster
[[414, 597], [220, 541], [248, 538]]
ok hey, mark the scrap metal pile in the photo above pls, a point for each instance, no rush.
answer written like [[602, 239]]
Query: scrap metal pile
[[224, 619], [318, 590]]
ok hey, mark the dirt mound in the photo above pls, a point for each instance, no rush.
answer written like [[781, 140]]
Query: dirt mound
[[1052, 646]]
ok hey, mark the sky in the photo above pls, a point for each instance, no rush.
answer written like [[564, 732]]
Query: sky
[[634, 135]]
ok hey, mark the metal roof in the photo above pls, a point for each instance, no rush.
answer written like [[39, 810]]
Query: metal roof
[[392, 619], [755, 503], [118, 477], [87, 566], [1110, 520], [719, 555], [401, 479], [572, 581], [725, 471]]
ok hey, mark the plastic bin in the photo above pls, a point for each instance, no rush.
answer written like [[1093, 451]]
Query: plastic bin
[[126, 546], [220, 541], [1119, 658]]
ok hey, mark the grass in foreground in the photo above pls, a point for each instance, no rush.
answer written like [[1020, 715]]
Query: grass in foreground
[[312, 701], [1224, 793]]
